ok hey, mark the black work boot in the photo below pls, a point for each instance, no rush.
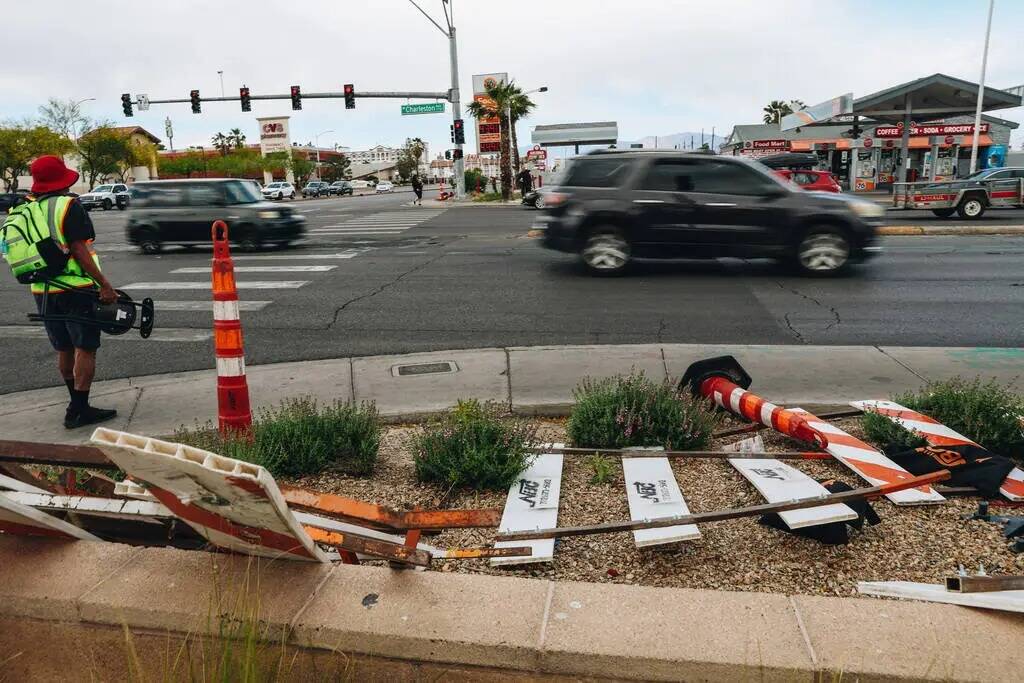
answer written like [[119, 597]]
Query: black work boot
[[87, 416]]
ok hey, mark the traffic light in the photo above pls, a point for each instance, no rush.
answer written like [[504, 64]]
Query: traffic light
[[126, 104], [452, 129], [459, 131], [447, 154], [243, 95], [296, 98], [456, 154], [350, 96], [197, 104]]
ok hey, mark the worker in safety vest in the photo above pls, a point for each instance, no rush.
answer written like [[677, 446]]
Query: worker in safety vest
[[52, 233]]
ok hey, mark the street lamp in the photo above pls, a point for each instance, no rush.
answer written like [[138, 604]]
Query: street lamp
[[74, 127], [316, 143]]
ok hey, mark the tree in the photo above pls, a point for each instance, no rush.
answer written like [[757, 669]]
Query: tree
[[181, 165], [776, 109], [236, 137], [239, 163], [519, 108], [222, 142], [302, 168], [409, 158], [336, 168], [499, 96], [20, 143], [106, 151], [63, 116]]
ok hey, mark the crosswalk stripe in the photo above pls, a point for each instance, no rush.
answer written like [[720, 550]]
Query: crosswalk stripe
[[260, 269], [167, 334], [320, 231], [296, 257], [206, 305], [253, 284]]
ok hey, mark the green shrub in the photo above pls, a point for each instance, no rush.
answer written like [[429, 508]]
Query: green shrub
[[892, 437], [986, 412], [299, 438], [622, 412], [603, 468], [474, 446]]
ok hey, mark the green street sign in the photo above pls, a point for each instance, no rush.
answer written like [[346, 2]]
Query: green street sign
[[430, 108]]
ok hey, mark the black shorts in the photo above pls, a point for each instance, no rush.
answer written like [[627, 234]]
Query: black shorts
[[65, 335]]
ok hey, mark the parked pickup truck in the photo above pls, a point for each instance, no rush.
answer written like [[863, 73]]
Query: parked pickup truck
[[106, 197], [969, 197]]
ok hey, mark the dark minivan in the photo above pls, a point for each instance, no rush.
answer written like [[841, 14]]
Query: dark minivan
[[616, 205], [182, 212]]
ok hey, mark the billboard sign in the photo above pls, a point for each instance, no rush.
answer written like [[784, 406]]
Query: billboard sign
[[274, 135], [934, 129], [819, 113], [488, 134]]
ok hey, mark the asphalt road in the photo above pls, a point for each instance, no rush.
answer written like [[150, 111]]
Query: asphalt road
[[377, 276]]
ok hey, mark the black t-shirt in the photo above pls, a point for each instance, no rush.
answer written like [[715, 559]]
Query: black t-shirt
[[77, 224]]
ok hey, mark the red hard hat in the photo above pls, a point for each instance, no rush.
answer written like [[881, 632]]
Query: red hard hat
[[49, 174]]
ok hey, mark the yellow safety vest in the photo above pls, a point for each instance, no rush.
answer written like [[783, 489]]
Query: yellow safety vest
[[45, 218]]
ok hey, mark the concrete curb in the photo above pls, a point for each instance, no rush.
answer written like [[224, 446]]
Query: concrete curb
[[535, 380], [53, 593], [951, 230]]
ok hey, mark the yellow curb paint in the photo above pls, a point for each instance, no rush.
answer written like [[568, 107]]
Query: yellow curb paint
[[951, 230]]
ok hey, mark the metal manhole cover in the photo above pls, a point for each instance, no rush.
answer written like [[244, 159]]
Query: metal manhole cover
[[424, 368]]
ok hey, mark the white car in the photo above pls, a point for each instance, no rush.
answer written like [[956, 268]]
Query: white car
[[106, 197], [384, 186], [279, 190]]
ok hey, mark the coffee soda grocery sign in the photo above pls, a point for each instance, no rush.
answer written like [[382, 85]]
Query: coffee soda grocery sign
[[928, 130]]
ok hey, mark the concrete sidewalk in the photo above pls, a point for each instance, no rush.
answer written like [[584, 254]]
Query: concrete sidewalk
[[532, 380]]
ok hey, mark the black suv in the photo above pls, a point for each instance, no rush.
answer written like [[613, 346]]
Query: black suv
[[613, 206], [183, 211]]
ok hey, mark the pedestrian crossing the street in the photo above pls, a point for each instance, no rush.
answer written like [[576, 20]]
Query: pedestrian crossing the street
[[377, 224]]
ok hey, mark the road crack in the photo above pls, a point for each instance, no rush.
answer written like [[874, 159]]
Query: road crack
[[661, 330], [378, 290], [837, 320]]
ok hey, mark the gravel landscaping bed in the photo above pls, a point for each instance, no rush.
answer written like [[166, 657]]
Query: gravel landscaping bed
[[924, 543]]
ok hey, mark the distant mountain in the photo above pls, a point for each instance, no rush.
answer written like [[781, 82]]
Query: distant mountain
[[680, 140]]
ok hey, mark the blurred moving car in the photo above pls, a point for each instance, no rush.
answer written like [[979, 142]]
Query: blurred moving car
[[182, 212], [106, 197], [534, 198], [812, 181], [10, 199], [385, 186], [617, 205], [316, 188], [279, 190], [340, 188]]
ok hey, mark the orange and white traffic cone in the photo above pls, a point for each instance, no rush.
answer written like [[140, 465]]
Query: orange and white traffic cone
[[233, 411]]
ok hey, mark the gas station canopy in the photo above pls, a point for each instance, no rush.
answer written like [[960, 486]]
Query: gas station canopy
[[575, 134], [932, 97]]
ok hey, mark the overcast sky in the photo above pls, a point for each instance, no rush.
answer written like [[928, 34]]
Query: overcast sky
[[655, 66]]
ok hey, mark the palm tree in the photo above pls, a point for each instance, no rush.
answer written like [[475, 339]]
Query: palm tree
[[519, 108], [500, 96], [236, 136], [775, 110], [221, 142]]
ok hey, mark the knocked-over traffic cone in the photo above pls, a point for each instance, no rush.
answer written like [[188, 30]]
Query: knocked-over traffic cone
[[724, 381], [233, 410]]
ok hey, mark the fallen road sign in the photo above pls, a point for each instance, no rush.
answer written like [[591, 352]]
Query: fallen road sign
[[20, 519], [1007, 601], [653, 493], [868, 493], [532, 503], [779, 482], [938, 434]]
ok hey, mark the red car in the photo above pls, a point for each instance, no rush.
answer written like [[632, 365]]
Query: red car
[[812, 181]]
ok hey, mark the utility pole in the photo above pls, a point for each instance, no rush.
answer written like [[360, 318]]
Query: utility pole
[[169, 129], [981, 91]]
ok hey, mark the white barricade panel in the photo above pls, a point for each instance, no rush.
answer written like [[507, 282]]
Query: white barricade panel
[[873, 466], [235, 505], [938, 434], [779, 482], [1007, 601], [653, 493], [532, 503], [19, 519]]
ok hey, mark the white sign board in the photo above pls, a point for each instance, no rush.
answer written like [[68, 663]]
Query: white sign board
[[274, 135], [779, 482], [143, 102], [532, 503], [653, 493], [818, 113]]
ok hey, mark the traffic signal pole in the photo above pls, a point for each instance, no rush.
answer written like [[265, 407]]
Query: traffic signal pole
[[459, 166], [387, 94]]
